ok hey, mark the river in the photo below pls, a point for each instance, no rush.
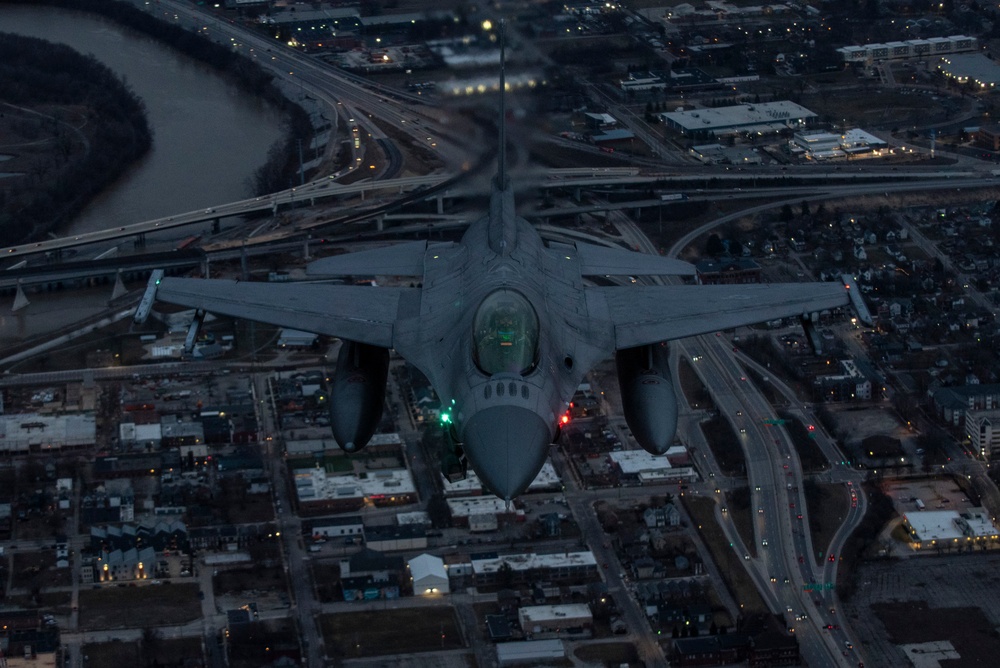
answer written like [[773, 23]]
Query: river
[[208, 136]]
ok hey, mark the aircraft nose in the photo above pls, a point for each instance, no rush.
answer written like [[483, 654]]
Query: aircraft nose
[[507, 446]]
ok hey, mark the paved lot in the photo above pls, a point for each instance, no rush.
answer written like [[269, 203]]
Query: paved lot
[[961, 581]]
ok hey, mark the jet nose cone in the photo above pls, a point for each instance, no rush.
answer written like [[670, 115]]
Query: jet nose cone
[[507, 446]]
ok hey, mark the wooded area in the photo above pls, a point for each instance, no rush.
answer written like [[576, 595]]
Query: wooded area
[[275, 174], [69, 127]]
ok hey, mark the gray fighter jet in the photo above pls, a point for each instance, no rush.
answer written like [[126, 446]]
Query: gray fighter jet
[[505, 328]]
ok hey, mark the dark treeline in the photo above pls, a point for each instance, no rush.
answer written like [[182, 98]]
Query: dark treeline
[[246, 74], [38, 81]]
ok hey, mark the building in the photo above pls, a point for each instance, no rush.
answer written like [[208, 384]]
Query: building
[[762, 118], [428, 575], [849, 385], [831, 145], [395, 538], [319, 492], [539, 622], [645, 468], [719, 650], [933, 47], [528, 567], [949, 529], [530, 651], [478, 513], [131, 564], [982, 427], [727, 271], [31, 432], [954, 402], [974, 68], [333, 527], [546, 480]]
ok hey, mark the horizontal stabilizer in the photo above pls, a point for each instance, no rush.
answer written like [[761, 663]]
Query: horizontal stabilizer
[[406, 259], [601, 261]]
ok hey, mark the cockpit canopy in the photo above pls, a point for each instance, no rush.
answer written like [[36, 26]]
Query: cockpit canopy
[[505, 334]]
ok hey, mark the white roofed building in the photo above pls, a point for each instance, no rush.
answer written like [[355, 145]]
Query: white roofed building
[[762, 118], [530, 651], [522, 568], [428, 575], [317, 491], [949, 529], [547, 479], [553, 621], [649, 469], [22, 432]]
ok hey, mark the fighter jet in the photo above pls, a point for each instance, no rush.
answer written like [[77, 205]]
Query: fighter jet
[[505, 327]]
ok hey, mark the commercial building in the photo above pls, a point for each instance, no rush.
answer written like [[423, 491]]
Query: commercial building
[[530, 567], [318, 492], [470, 485], [932, 47], [974, 68], [31, 432], [552, 621], [831, 145], [949, 529], [530, 651], [396, 538], [727, 271], [478, 513], [762, 118], [645, 468], [333, 527]]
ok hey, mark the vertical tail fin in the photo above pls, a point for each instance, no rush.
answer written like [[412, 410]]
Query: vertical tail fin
[[502, 231], [501, 177]]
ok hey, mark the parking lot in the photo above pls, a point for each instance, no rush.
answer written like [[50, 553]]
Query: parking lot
[[961, 607]]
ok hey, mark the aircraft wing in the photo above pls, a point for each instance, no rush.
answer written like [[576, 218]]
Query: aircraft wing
[[647, 314], [364, 314], [406, 259], [601, 261]]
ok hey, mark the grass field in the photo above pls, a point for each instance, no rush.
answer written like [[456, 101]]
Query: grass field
[[381, 632], [810, 456], [725, 446], [607, 654], [137, 607], [111, 654], [256, 578], [968, 629], [738, 581], [828, 505]]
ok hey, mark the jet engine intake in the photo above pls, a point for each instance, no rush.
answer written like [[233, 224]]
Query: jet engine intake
[[357, 393], [648, 398]]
